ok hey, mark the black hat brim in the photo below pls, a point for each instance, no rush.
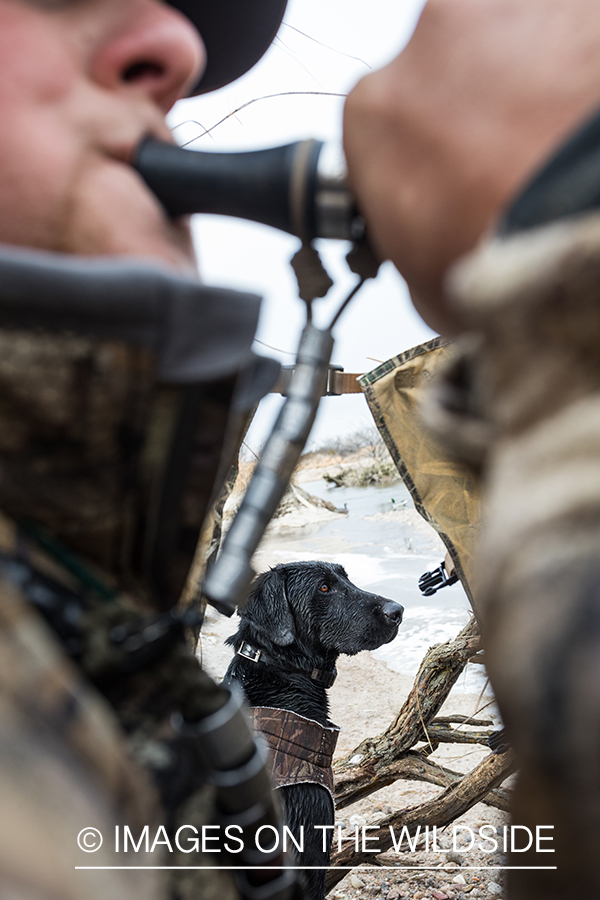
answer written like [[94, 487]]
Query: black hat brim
[[236, 33]]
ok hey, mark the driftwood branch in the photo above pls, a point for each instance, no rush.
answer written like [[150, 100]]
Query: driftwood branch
[[463, 720], [368, 767], [414, 766], [441, 811], [439, 672], [380, 761], [438, 732]]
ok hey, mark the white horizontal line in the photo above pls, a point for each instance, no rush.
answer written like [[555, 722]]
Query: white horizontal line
[[335, 868]]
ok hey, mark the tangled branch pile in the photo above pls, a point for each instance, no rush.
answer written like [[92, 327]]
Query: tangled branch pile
[[393, 755]]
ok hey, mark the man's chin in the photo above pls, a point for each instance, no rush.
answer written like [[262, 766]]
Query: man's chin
[[109, 211], [169, 243]]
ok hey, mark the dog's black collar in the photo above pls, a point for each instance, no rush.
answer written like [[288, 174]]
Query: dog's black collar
[[326, 677]]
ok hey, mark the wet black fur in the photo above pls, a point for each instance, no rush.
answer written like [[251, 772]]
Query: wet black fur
[[301, 626]]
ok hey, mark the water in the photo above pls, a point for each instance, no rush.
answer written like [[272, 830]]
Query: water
[[362, 501], [385, 547]]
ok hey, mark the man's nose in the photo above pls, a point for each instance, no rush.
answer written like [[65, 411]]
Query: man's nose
[[153, 49]]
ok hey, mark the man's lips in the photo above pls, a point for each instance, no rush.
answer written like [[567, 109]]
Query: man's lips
[[126, 154], [126, 149]]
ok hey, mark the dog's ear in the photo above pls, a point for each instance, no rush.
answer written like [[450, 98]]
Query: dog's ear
[[268, 609]]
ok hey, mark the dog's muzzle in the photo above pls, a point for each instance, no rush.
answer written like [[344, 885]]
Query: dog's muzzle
[[393, 611]]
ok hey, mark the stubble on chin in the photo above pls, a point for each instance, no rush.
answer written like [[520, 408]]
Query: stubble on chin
[[107, 210]]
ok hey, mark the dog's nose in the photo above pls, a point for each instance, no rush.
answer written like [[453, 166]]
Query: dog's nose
[[393, 611]]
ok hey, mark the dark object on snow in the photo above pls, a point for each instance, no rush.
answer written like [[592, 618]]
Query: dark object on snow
[[433, 581]]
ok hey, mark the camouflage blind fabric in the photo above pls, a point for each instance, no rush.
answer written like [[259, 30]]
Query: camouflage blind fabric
[[445, 491], [70, 760], [87, 438], [301, 749], [64, 764]]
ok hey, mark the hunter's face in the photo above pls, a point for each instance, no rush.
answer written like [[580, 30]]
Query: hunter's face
[[81, 82]]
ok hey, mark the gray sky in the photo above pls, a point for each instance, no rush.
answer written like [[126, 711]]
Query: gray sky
[[341, 40]]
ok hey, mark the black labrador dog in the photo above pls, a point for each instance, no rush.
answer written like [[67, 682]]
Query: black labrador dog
[[298, 619]]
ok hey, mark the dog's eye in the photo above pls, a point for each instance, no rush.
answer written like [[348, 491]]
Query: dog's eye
[[324, 588]]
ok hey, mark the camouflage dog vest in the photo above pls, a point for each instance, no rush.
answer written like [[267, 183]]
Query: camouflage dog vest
[[301, 749]]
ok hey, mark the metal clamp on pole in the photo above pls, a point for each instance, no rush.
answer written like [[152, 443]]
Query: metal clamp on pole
[[227, 582], [338, 382]]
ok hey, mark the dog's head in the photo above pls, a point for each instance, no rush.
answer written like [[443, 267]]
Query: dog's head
[[315, 606]]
